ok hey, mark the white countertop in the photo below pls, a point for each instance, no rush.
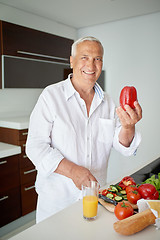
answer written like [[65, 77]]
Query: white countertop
[[69, 224], [15, 122], [7, 150]]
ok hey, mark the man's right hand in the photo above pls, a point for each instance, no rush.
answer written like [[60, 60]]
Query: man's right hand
[[79, 175]]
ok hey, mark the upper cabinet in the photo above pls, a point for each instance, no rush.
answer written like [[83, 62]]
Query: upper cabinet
[[19, 44]]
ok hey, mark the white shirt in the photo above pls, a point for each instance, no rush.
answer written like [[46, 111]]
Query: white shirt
[[59, 127]]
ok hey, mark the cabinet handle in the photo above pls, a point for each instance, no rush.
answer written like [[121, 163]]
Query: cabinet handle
[[30, 171], [24, 156], [25, 133], [3, 162], [3, 198], [24, 145], [29, 188], [42, 55]]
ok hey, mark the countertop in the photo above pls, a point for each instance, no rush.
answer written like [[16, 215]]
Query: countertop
[[7, 150], [15, 122], [69, 224]]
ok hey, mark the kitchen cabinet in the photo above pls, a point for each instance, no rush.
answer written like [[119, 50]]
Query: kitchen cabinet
[[10, 195], [27, 171], [21, 43]]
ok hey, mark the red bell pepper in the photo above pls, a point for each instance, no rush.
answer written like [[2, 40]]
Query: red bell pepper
[[126, 181], [128, 96], [148, 191]]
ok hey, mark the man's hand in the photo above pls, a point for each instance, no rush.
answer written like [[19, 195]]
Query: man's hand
[[128, 120], [79, 175]]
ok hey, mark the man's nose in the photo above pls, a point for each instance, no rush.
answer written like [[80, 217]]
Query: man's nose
[[90, 63]]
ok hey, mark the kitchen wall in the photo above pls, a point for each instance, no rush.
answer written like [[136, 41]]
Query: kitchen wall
[[22, 101], [132, 57]]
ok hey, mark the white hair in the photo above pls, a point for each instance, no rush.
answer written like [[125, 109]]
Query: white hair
[[89, 38]]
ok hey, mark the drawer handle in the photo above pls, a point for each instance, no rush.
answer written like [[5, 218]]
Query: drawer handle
[[25, 133], [30, 171], [3, 198], [24, 156], [24, 145], [3, 162], [29, 188]]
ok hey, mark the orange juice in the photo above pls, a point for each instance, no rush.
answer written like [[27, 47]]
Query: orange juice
[[90, 204]]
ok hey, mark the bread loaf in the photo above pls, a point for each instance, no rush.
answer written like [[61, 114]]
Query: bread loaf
[[135, 223]]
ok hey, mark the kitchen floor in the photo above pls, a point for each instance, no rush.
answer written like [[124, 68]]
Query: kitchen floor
[[17, 226]]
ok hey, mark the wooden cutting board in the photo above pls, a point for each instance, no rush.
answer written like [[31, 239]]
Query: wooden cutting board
[[110, 207]]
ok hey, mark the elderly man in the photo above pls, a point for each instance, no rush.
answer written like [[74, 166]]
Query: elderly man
[[72, 129]]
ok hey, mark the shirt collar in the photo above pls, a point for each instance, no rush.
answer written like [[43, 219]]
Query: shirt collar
[[70, 90]]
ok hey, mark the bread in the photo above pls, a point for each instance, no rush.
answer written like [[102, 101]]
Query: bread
[[135, 223]]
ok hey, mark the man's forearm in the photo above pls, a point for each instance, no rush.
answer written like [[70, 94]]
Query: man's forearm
[[126, 136]]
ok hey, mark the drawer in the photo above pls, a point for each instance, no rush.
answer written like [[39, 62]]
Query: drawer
[[22, 143], [12, 136], [28, 197], [28, 175], [10, 206], [25, 161], [9, 173]]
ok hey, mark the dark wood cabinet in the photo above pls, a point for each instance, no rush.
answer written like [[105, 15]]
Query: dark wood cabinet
[[26, 43], [10, 194], [19, 172]]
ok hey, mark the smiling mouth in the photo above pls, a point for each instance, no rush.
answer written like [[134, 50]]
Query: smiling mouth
[[89, 73]]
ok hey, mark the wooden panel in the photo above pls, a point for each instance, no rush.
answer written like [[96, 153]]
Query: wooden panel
[[18, 38], [9, 173], [25, 161], [28, 175], [10, 206], [12, 136], [29, 198]]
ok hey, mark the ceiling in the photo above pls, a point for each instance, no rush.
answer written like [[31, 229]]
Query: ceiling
[[83, 13]]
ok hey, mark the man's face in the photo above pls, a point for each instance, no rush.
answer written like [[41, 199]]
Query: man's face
[[87, 63]]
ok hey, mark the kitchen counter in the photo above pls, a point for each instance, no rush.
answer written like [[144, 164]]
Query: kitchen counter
[[7, 150], [15, 122], [69, 224]]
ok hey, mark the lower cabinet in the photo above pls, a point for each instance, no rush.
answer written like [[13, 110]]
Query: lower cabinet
[[10, 194]]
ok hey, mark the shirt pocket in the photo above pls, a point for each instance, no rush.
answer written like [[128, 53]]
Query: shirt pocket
[[106, 130]]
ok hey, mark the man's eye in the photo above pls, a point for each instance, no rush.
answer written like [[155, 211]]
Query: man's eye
[[98, 59]]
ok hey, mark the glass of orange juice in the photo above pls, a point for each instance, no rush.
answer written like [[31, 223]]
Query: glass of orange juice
[[90, 200]]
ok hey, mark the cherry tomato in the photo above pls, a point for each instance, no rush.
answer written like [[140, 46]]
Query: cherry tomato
[[123, 210], [133, 196], [131, 188]]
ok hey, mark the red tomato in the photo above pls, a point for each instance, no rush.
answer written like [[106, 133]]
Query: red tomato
[[133, 196], [148, 191], [104, 192], [126, 181], [131, 188], [128, 96], [123, 210]]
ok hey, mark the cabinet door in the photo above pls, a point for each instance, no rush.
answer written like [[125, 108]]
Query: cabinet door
[[10, 206], [18, 39], [9, 173]]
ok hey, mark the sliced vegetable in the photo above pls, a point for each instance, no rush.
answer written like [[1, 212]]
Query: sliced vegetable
[[126, 181], [110, 195]]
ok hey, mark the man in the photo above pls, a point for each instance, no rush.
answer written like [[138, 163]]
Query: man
[[72, 130]]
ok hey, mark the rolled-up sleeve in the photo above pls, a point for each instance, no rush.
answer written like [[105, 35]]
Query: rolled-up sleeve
[[38, 146], [126, 151]]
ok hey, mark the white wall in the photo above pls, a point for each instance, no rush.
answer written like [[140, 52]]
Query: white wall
[[23, 100], [132, 57]]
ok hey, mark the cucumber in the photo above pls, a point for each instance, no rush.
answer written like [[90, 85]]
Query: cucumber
[[123, 192], [118, 198], [110, 195]]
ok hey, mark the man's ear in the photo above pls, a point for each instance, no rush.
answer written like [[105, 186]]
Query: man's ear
[[71, 61]]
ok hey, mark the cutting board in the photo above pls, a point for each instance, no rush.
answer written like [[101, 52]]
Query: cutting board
[[110, 207]]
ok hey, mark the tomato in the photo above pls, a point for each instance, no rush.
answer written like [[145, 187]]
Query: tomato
[[104, 192], [133, 196], [123, 210], [148, 191], [131, 188], [128, 96]]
